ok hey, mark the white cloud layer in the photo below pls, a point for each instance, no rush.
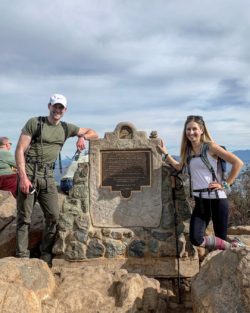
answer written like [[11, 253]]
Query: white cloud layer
[[148, 62]]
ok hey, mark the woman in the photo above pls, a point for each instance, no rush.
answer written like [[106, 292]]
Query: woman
[[209, 191]]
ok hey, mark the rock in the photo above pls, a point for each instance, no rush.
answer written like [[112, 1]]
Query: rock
[[83, 291], [24, 283], [151, 294], [93, 289], [209, 255], [75, 250], [137, 248], [8, 234], [95, 249], [17, 299], [223, 283], [114, 248], [7, 208], [130, 291], [239, 230], [202, 253]]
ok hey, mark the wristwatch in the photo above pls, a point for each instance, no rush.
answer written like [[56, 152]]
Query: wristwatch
[[165, 156]]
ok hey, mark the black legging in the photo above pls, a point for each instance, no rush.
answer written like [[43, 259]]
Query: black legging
[[204, 210]]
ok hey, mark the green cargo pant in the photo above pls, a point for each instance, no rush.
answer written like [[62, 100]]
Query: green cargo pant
[[46, 195]]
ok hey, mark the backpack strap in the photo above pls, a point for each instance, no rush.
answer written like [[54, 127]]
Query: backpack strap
[[189, 157], [223, 166], [66, 133], [38, 133], [66, 130], [205, 160]]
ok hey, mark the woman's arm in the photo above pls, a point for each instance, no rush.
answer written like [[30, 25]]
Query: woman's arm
[[229, 157], [168, 158]]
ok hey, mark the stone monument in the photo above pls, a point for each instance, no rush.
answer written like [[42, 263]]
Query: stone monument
[[125, 179]]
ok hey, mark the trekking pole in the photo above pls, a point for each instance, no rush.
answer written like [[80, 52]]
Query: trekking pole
[[173, 184], [60, 163], [76, 155]]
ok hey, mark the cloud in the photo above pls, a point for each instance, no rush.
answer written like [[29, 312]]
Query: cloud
[[150, 63]]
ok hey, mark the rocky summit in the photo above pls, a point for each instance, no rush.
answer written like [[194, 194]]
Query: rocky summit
[[30, 286]]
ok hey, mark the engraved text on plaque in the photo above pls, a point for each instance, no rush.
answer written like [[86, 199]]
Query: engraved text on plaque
[[126, 171]]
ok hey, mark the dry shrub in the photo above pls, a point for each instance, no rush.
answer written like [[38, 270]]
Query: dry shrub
[[239, 200]]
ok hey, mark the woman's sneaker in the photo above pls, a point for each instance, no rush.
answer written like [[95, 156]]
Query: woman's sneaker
[[237, 243]]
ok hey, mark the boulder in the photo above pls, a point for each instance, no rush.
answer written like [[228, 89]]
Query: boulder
[[7, 208], [223, 283], [239, 230], [24, 283], [8, 234], [93, 289]]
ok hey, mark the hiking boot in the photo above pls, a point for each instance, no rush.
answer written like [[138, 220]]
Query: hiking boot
[[237, 243], [47, 257]]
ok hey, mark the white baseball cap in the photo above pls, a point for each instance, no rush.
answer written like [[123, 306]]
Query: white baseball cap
[[56, 98]]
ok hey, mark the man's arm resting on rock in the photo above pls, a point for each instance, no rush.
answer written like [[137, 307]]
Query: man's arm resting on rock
[[87, 133]]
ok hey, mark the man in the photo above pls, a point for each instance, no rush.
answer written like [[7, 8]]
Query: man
[[8, 176], [38, 147]]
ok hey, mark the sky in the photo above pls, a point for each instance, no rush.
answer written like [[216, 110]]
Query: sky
[[150, 63]]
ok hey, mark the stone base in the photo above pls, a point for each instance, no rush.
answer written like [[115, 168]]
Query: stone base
[[164, 267]]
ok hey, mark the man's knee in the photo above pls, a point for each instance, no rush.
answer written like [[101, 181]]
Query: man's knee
[[52, 218], [51, 222], [23, 219]]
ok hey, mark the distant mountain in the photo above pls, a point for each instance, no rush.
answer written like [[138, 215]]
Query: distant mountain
[[244, 155]]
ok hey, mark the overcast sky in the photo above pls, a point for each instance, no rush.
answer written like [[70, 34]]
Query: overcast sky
[[151, 63]]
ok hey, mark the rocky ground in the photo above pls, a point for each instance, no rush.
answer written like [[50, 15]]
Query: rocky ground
[[29, 285]]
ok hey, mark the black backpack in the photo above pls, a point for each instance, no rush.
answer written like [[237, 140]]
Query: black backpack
[[222, 163]]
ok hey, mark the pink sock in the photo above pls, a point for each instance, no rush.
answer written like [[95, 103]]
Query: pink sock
[[214, 243]]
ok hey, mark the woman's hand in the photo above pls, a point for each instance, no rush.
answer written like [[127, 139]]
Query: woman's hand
[[162, 148], [214, 185]]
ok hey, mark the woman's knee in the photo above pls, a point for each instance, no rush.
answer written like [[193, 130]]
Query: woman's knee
[[196, 240]]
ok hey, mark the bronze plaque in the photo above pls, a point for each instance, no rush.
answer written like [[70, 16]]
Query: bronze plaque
[[126, 171]]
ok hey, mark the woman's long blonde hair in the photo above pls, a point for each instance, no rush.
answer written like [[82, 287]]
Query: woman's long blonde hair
[[186, 146]]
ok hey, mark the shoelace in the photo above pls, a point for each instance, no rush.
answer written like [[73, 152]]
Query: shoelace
[[237, 243]]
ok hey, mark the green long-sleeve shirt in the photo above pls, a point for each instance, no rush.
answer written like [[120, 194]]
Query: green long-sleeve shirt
[[7, 161]]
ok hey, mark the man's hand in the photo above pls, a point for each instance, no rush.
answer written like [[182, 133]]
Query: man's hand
[[80, 144], [25, 185]]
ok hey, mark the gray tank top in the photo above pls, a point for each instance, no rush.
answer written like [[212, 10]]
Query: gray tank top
[[201, 177]]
